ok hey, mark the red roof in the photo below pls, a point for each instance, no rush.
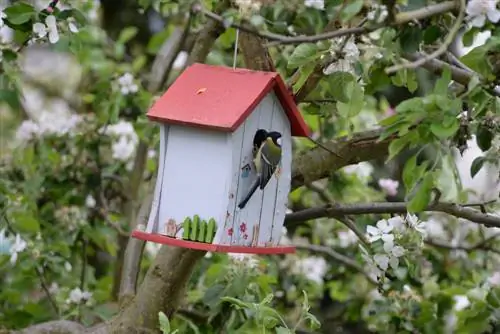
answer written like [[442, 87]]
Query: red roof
[[221, 98]]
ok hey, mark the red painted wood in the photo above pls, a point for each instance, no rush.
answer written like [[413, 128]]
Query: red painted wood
[[221, 98], [162, 239]]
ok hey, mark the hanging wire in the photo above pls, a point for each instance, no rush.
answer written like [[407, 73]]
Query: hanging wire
[[236, 48]]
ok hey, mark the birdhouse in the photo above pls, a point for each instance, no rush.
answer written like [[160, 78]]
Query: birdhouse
[[208, 120]]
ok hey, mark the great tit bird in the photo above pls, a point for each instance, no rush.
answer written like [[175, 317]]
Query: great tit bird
[[267, 156]]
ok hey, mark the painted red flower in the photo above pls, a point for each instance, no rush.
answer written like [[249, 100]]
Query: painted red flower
[[245, 236], [230, 231], [243, 227]]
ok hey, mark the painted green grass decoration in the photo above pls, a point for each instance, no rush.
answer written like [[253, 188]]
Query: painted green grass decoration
[[197, 229]]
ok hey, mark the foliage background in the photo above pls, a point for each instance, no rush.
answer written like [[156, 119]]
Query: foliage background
[[78, 161]]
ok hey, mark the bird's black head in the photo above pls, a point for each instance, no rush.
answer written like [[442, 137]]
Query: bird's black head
[[259, 138], [276, 137]]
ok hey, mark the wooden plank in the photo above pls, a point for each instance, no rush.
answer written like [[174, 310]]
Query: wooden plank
[[269, 198], [240, 229], [285, 175], [235, 140], [152, 225]]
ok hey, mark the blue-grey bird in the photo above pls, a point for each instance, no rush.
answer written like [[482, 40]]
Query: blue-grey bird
[[267, 157]]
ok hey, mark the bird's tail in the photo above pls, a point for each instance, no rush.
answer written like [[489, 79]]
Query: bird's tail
[[245, 200]]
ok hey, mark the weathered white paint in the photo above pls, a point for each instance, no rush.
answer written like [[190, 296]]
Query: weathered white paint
[[222, 237], [250, 215], [275, 199], [284, 180], [259, 213], [197, 175], [251, 125], [152, 224]]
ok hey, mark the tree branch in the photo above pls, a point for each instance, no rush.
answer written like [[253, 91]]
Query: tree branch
[[442, 48], [58, 326], [126, 279], [162, 290], [331, 210], [400, 18], [316, 163]]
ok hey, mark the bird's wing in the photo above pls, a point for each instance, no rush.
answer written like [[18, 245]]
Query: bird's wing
[[270, 157]]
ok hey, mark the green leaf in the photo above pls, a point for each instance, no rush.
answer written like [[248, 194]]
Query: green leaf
[[239, 304], [389, 120], [476, 166], [411, 38], [396, 146], [25, 222], [19, 13], [423, 194], [11, 98], [338, 82], [304, 72], [413, 172], [442, 131], [431, 34], [484, 136], [352, 8], [127, 34], [355, 103], [282, 330], [303, 54], [441, 87], [164, 323], [412, 104]]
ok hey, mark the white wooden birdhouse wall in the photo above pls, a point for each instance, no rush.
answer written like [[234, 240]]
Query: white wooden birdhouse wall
[[260, 222], [208, 120]]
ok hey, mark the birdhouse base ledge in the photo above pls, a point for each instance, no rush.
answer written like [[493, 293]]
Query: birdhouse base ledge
[[163, 239]]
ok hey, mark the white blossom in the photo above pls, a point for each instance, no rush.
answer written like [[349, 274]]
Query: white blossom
[[317, 4], [494, 280], [72, 25], [123, 149], [378, 13], [77, 296], [461, 302], [346, 53], [54, 287], [68, 266], [27, 130], [18, 246], [382, 229], [480, 10], [6, 34], [389, 186], [125, 141], [50, 28], [347, 238], [313, 268], [284, 240], [127, 85], [248, 260], [180, 60], [363, 170], [397, 223], [90, 201], [247, 7], [416, 224]]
